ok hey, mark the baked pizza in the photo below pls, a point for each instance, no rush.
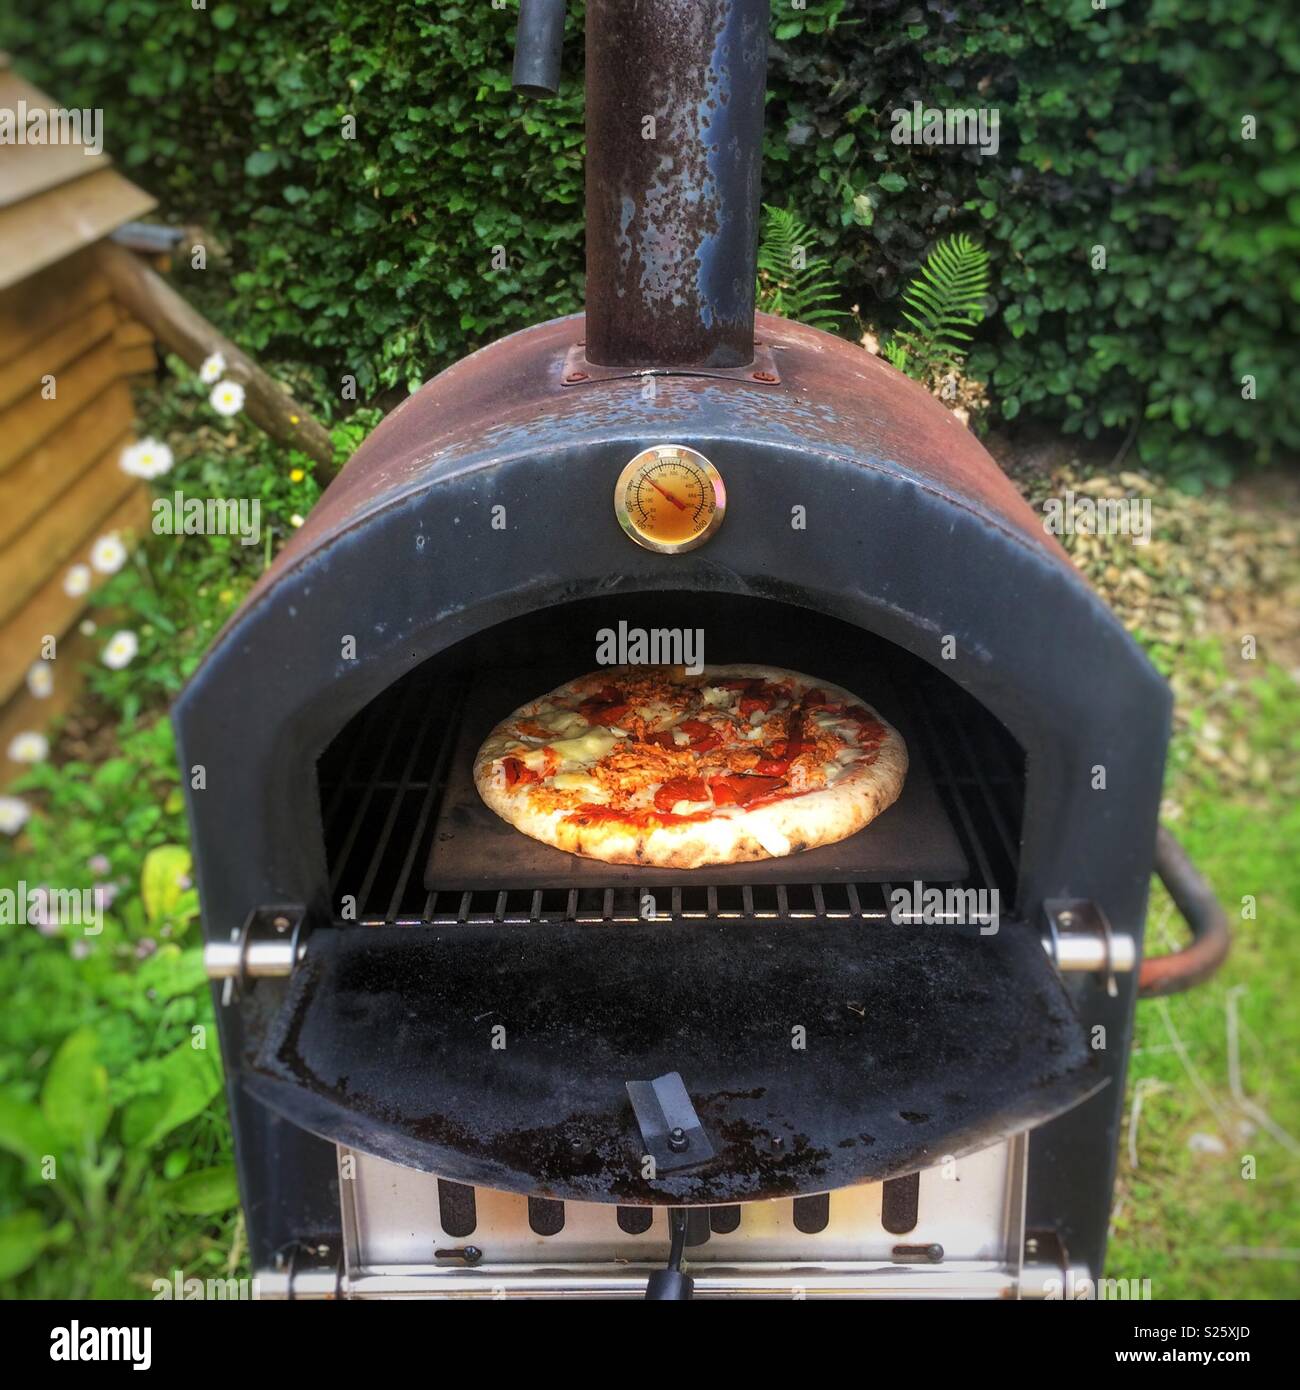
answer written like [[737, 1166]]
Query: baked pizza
[[652, 765]]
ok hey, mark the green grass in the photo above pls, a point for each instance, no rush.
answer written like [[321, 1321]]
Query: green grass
[[1180, 1213]]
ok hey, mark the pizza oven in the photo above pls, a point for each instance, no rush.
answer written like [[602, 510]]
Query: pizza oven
[[462, 1062]]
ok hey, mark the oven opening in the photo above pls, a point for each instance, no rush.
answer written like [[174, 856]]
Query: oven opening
[[524, 1021], [409, 842]]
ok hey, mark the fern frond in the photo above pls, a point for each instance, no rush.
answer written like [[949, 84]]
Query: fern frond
[[792, 281], [942, 303]]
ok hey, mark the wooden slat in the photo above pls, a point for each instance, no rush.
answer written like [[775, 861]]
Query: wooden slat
[[38, 478], [49, 545], [28, 170], [29, 421], [44, 229], [138, 361], [23, 712], [52, 354], [184, 331], [52, 612], [33, 309], [131, 332]]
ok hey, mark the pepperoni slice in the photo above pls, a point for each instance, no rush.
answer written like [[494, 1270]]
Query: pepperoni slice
[[870, 729], [606, 706], [702, 737], [517, 772], [680, 789], [737, 789], [595, 713], [750, 703], [773, 767]]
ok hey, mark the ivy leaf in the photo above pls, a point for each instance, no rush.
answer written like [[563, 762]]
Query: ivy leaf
[[261, 162], [892, 183]]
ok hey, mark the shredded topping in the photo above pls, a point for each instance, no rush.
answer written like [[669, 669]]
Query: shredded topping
[[706, 745]]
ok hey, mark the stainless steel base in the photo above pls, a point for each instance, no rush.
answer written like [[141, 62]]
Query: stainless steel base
[[972, 1207]]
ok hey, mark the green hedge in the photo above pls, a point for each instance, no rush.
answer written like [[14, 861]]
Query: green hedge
[[1120, 127]]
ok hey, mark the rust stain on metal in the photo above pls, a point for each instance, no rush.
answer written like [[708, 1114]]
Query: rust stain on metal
[[674, 146], [509, 400]]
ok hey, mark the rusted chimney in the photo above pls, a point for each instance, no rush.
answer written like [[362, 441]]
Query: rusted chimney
[[675, 94]]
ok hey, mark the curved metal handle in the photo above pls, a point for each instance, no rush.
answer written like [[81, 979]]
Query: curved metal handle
[[1195, 900]]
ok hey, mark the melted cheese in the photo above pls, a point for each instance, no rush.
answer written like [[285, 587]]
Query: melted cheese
[[574, 782], [588, 748], [656, 713], [562, 721]]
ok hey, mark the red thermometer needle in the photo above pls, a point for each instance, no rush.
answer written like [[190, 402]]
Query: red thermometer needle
[[681, 506]]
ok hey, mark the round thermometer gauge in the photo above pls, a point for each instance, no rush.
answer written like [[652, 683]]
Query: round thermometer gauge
[[670, 498]]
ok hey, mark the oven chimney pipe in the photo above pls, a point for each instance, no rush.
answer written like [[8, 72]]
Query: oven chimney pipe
[[675, 93]]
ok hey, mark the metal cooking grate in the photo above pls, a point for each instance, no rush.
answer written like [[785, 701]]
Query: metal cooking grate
[[382, 778]]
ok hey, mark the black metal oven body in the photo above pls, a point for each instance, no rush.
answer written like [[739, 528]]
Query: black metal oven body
[[928, 549], [477, 517]]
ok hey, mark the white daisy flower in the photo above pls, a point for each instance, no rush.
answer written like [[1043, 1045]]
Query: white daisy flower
[[227, 398], [212, 368], [14, 812], [147, 459], [29, 747], [295, 520], [77, 581], [121, 649], [87, 627], [108, 554], [40, 679]]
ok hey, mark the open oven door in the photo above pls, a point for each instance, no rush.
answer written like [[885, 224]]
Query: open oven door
[[810, 1056]]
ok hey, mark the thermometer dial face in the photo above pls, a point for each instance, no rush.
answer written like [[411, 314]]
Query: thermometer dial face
[[670, 498]]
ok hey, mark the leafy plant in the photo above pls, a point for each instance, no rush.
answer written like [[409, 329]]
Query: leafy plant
[[942, 303], [1121, 132], [791, 282], [82, 1143]]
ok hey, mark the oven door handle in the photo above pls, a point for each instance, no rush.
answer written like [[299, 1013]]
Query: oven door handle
[[1203, 913]]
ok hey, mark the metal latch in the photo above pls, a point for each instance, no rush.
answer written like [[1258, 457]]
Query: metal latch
[[1080, 938], [271, 942], [670, 1129]]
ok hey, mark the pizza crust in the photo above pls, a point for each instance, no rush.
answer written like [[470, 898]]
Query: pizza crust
[[733, 835]]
